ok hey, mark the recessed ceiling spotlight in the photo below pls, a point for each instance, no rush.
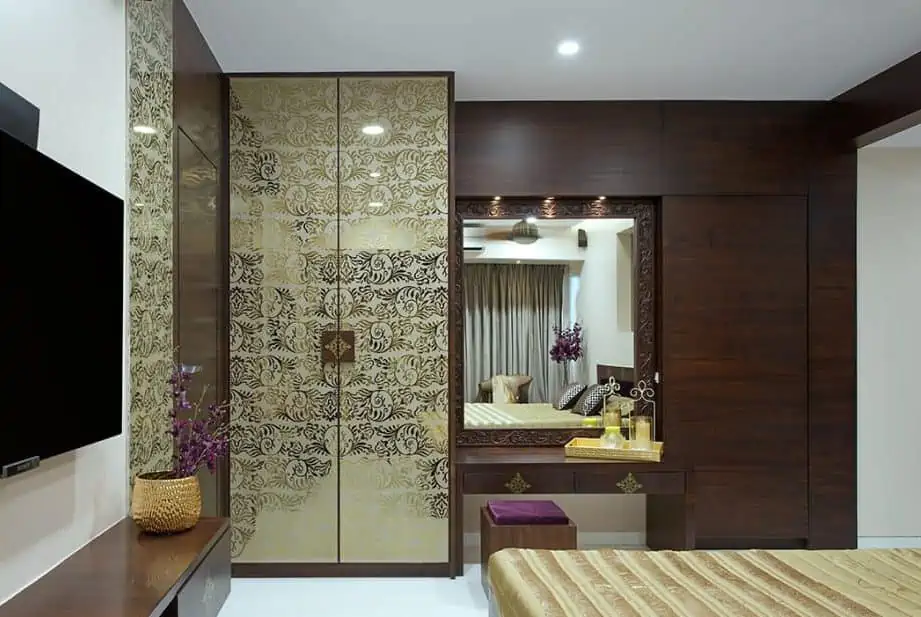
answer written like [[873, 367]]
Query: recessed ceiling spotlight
[[567, 48], [372, 129], [143, 129], [601, 198], [497, 198], [375, 174], [375, 204], [531, 219]]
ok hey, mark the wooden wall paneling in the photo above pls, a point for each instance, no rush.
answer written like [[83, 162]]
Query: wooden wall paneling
[[734, 366], [720, 147], [751, 504], [832, 335], [885, 104], [558, 148]]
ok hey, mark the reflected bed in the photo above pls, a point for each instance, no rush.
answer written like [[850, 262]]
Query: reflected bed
[[518, 415], [858, 583]]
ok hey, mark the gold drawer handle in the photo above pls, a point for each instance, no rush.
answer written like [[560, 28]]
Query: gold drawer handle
[[629, 484], [517, 484]]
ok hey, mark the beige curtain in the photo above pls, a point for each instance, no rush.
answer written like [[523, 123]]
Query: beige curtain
[[510, 312]]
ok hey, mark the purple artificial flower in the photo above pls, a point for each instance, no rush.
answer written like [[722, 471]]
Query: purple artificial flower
[[200, 437], [568, 344]]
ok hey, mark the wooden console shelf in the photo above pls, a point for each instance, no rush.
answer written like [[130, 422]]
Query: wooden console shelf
[[125, 573]]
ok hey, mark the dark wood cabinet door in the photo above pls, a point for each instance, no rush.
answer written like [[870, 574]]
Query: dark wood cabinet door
[[207, 589], [734, 365]]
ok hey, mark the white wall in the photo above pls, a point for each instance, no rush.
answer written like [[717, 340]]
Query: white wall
[[607, 341], [888, 343], [68, 58]]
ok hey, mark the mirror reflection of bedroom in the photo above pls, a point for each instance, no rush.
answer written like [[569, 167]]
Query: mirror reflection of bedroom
[[546, 303]]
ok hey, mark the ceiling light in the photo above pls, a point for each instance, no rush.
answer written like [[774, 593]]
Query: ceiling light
[[375, 204], [531, 219], [143, 129], [375, 174], [601, 198], [567, 48], [372, 129], [497, 198]]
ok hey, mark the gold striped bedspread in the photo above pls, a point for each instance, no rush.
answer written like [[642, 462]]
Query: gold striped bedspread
[[518, 415], [613, 583]]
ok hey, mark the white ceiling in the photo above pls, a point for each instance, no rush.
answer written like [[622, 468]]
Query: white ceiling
[[909, 138], [631, 49]]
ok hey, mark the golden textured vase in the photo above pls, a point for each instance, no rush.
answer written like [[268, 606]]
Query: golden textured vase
[[160, 504]]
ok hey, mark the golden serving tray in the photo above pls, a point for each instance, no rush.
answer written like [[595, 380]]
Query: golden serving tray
[[588, 447]]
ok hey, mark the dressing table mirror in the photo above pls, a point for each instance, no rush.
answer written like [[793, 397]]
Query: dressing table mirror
[[551, 299]]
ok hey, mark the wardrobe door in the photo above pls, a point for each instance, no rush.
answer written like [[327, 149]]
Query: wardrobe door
[[283, 294], [393, 204]]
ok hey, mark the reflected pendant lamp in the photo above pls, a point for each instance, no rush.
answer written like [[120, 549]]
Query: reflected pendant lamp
[[524, 233]]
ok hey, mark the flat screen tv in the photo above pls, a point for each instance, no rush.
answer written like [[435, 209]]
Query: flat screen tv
[[62, 266]]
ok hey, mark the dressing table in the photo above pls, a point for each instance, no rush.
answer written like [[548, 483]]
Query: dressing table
[[502, 459]]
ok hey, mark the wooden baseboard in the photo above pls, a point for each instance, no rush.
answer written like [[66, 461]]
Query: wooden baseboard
[[341, 570]]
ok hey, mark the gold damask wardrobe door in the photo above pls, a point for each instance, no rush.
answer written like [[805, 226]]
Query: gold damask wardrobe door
[[283, 293], [393, 202]]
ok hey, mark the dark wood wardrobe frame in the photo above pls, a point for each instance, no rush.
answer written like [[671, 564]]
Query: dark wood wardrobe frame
[[643, 211]]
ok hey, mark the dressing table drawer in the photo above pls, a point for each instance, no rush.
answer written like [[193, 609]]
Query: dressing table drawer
[[515, 481], [642, 483]]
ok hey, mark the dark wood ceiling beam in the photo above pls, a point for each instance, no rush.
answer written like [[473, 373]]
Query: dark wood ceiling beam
[[885, 104]]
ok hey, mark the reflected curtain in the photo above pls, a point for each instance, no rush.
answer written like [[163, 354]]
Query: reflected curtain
[[510, 312]]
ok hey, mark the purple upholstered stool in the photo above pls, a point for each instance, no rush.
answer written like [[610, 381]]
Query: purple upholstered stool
[[530, 512], [522, 524]]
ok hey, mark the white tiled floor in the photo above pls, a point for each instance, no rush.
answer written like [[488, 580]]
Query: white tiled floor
[[352, 597]]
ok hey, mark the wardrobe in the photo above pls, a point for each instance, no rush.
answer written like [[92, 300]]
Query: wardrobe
[[339, 192]]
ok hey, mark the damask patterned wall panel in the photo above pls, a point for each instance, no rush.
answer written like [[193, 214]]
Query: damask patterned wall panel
[[393, 200], [283, 294], [150, 195]]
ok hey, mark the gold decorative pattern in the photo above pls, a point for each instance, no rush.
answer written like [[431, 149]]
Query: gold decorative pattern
[[393, 232], [150, 199], [517, 484], [336, 230], [283, 279], [629, 484]]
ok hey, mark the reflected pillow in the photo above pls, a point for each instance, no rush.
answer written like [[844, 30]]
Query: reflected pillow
[[592, 401], [570, 395]]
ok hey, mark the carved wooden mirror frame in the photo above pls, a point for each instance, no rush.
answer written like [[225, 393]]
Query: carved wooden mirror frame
[[643, 212]]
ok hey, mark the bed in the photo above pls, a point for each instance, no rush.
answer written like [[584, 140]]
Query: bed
[[608, 583], [518, 415]]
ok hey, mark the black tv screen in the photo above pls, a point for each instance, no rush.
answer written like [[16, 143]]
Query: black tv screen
[[63, 280]]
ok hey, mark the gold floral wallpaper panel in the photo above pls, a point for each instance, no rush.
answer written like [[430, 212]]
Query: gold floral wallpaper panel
[[150, 197], [393, 203], [283, 293]]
